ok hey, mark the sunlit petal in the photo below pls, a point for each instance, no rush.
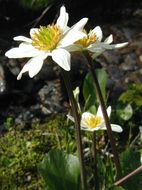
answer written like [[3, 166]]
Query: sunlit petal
[[33, 31], [99, 127], [79, 25], [23, 39], [114, 127], [71, 37], [62, 58], [74, 33], [98, 32], [109, 111], [99, 112], [63, 19], [86, 115], [33, 66], [109, 39], [105, 46], [121, 45], [24, 50]]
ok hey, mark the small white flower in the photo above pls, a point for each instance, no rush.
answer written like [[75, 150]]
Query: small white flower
[[93, 43], [91, 122], [48, 41]]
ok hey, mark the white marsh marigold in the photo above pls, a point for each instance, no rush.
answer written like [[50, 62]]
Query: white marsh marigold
[[51, 40]]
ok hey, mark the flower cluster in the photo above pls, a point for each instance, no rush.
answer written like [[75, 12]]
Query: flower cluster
[[58, 40]]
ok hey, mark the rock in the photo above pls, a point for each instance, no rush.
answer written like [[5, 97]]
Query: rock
[[138, 13], [140, 58], [115, 72], [129, 63]]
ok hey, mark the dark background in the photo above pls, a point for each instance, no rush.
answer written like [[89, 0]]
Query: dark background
[[15, 18]]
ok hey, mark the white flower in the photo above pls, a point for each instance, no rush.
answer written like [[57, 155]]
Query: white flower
[[92, 43], [48, 41], [91, 122]]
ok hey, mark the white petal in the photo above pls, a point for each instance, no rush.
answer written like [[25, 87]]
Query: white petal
[[63, 19], [109, 111], [33, 66], [99, 127], [116, 128], [96, 47], [33, 31], [85, 116], [109, 39], [13, 53], [24, 50], [62, 58], [73, 47], [30, 48], [23, 39], [121, 45], [71, 37], [87, 129], [100, 47], [98, 32], [80, 24], [105, 46], [99, 112], [74, 33]]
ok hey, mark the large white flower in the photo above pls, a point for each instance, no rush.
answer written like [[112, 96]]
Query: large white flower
[[93, 43], [91, 122], [51, 40]]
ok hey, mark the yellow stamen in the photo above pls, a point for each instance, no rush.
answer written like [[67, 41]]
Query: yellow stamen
[[93, 122], [88, 40], [46, 38]]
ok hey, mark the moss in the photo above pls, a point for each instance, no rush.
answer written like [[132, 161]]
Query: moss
[[22, 148]]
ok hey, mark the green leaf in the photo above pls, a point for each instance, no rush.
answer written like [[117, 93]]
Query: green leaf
[[92, 109], [125, 112], [60, 171], [130, 160], [133, 95], [89, 92]]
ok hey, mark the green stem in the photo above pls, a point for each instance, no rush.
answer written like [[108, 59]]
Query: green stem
[[97, 187], [76, 116], [105, 115]]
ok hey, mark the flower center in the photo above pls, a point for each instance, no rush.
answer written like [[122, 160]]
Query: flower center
[[46, 38], [87, 40], [93, 122]]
